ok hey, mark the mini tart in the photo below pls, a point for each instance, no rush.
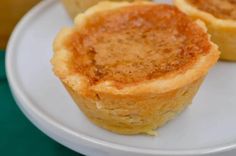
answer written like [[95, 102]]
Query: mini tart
[[220, 19], [131, 67], [73, 7]]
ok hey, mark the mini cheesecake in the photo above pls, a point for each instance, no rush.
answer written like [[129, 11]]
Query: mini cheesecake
[[131, 67], [220, 19]]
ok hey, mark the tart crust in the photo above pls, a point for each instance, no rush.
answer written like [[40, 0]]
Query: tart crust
[[73, 7], [223, 31], [134, 108]]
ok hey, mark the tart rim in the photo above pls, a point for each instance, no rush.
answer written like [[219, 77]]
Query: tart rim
[[80, 83]]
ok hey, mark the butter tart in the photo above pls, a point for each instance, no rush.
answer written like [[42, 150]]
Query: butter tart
[[131, 67], [220, 19], [73, 7]]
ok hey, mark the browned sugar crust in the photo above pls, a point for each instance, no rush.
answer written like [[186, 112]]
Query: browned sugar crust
[[136, 43]]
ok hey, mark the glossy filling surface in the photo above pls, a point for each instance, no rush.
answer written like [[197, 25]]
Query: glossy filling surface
[[224, 9], [137, 43]]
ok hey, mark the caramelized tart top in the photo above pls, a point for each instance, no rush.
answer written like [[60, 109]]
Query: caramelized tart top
[[223, 9], [136, 43]]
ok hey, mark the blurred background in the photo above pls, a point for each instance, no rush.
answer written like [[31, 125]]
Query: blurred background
[[18, 137], [11, 12]]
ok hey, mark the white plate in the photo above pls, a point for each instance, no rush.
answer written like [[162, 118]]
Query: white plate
[[207, 126]]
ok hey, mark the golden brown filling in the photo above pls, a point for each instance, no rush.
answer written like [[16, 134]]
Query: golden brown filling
[[225, 9], [137, 43]]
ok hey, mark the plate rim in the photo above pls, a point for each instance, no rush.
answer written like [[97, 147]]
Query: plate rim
[[53, 128]]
